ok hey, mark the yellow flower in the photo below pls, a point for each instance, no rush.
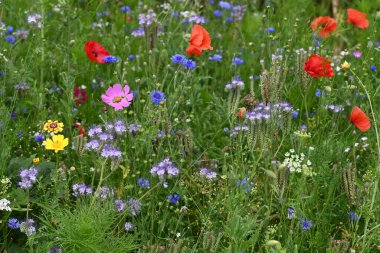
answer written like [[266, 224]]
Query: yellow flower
[[53, 126], [59, 142], [345, 66], [36, 160]]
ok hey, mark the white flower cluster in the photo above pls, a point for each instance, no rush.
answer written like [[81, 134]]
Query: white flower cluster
[[4, 205], [297, 163]]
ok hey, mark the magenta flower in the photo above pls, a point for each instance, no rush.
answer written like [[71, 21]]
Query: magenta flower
[[118, 97], [357, 54]]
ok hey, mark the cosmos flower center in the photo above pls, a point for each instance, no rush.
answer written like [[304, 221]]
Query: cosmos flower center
[[117, 99]]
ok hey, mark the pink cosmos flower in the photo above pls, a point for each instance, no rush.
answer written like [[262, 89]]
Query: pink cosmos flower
[[118, 97]]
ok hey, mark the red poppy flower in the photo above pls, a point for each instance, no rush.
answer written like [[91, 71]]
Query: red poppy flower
[[95, 52], [80, 95], [357, 18], [360, 119], [324, 26], [199, 40], [318, 66]]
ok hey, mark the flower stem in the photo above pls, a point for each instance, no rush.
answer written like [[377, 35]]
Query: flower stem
[[378, 151]]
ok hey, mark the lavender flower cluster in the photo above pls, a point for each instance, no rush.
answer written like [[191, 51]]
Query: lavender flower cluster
[[196, 19], [133, 204], [334, 108], [164, 168], [235, 83], [104, 192], [103, 138], [28, 177], [208, 173], [28, 227], [81, 189], [147, 19], [138, 32], [235, 131], [263, 112]]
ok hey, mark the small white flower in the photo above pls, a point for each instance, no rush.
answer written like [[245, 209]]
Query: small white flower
[[4, 205], [347, 150]]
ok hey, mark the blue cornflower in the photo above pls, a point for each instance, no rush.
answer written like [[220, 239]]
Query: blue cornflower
[[318, 93], [157, 96], [237, 61], [189, 64], [19, 133], [13, 223], [229, 20], [10, 29], [225, 5], [353, 216], [212, 2], [131, 57], [174, 198], [245, 185], [317, 40], [143, 183], [271, 29], [218, 13], [1, 73], [13, 115], [216, 57], [10, 39], [175, 14], [373, 68], [125, 8], [295, 114], [109, 59], [178, 58], [306, 224]]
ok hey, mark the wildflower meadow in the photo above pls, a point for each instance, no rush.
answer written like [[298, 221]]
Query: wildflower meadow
[[189, 126]]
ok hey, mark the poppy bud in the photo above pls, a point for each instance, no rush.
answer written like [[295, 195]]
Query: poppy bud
[[81, 131], [241, 112]]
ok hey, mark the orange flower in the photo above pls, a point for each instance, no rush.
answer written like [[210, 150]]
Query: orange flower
[[357, 18], [324, 26], [199, 40]]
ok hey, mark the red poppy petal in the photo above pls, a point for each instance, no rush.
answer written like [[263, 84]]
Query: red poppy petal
[[360, 119]]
